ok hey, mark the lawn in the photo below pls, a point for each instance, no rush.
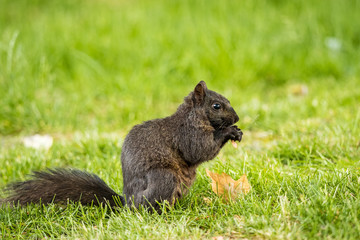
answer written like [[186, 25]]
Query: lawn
[[85, 72]]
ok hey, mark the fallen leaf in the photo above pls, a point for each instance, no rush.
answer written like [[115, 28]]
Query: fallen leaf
[[234, 143], [299, 89], [223, 185]]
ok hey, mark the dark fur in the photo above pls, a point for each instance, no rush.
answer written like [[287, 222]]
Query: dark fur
[[61, 185], [159, 158]]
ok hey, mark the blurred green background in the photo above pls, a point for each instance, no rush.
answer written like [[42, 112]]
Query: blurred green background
[[86, 71], [73, 65]]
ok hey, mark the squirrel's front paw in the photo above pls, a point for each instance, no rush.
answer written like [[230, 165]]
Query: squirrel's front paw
[[235, 133]]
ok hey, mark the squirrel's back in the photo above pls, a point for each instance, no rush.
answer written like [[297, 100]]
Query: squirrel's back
[[148, 146]]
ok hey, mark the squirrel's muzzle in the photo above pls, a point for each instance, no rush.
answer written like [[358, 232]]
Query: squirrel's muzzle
[[235, 116]]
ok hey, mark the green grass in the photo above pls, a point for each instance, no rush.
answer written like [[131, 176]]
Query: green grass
[[85, 72]]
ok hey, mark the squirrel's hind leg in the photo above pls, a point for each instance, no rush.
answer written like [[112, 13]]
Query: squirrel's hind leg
[[161, 186]]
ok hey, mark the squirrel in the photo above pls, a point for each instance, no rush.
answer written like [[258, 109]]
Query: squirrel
[[159, 159]]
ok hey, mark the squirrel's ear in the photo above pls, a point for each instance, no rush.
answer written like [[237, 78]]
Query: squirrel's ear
[[200, 92]]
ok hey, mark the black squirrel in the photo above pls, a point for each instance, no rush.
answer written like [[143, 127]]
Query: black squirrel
[[159, 159]]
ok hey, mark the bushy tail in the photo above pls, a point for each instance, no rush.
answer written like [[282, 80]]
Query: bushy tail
[[61, 186]]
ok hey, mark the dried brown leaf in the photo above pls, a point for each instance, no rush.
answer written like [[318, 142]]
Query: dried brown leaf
[[298, 89], [223, 185]]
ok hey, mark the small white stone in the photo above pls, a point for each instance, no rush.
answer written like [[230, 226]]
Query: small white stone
[[38, 141]]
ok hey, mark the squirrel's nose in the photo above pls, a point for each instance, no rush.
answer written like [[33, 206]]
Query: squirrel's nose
[[236, 117]]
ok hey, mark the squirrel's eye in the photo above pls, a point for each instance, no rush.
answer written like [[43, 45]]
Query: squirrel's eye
[[216, 106]]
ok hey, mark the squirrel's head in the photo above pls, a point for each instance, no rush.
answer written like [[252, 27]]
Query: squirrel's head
[[217, 108]]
